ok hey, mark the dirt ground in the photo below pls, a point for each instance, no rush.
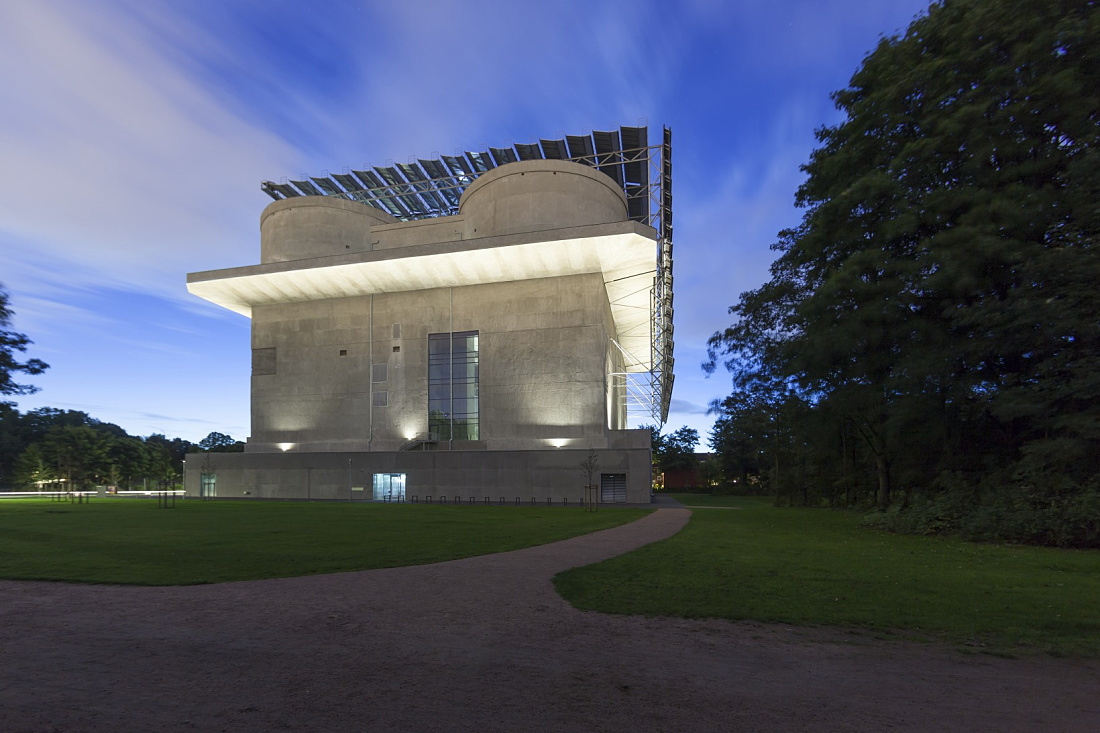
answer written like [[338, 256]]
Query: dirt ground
[[484, 644]]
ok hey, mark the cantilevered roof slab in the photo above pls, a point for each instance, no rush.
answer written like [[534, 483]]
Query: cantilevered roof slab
[[625, 253]]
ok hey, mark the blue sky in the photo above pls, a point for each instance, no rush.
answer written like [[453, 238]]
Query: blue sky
[[134, 137]]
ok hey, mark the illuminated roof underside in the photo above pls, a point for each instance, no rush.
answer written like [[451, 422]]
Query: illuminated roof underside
[[626, 261], [426, 188]]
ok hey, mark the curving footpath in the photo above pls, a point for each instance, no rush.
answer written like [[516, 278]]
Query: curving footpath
[[482, 644]]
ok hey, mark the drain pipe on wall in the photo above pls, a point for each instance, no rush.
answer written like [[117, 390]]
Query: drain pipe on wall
[[451, 368], [370, 375]]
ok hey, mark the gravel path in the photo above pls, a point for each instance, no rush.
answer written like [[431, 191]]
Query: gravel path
[[483, 644]]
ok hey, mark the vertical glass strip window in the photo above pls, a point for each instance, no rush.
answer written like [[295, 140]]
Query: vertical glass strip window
[[453, 409]]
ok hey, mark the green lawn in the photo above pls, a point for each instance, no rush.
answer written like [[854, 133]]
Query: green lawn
[[813, 566], [709, 500], [134, 542]]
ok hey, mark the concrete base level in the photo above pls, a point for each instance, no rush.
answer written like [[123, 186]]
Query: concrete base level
[[534, 474]]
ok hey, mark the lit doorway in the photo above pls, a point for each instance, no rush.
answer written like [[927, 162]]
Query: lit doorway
[[389, 487]]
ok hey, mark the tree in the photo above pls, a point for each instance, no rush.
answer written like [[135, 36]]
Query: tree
[[218, 443], [158, 457], [10, 343], [589, 466], [32, 469], [168, 455], [741, 436], [19, 431], [12, 442], [81, 454], [938, 299], [676, 450], [128, 461]]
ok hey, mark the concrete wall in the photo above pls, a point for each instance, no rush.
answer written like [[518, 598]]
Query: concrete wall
[[320, 424], [545, 356], [541, 474]]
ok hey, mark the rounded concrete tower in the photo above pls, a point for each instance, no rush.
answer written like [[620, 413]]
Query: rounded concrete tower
[[536, 195], [316, 226]]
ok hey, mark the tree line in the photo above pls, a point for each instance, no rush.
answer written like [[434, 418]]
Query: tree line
[[929, 341], [48, 447]]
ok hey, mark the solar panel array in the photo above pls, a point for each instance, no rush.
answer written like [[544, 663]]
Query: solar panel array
[[427, 188]]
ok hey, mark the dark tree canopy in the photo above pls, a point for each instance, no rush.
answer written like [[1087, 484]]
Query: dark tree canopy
[[675, 450], [51, 447], [220, 443], [11, 343], [937, 306]]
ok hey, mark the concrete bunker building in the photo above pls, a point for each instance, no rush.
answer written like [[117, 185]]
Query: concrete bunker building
[[470, 327]]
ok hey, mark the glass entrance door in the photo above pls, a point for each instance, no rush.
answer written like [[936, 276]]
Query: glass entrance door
[[389, 487]]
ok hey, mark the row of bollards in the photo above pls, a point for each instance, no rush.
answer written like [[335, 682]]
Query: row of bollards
[[72, 497]]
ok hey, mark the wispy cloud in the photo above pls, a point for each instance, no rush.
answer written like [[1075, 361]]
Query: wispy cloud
[[42, 317], [120, 168], [724, 241], [686, 407], [154, 422]]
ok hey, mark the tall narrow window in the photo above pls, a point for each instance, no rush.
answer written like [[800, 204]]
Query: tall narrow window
[[453, 412]]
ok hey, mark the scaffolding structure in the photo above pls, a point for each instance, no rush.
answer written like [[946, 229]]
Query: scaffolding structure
[[427, 188]]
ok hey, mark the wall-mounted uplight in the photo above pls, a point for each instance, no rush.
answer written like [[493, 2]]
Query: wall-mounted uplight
[[558, 442], [284, 447]]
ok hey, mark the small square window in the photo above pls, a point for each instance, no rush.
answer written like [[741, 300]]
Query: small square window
[[263, 361], [381, 399], [396, 349], [343, 352]]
